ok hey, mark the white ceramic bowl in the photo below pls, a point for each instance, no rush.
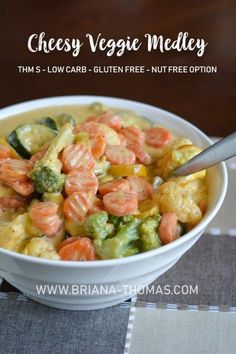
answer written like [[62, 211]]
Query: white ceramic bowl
[[94, 285]]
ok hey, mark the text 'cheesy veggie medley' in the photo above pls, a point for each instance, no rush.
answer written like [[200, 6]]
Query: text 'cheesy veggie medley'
[[95, 186]]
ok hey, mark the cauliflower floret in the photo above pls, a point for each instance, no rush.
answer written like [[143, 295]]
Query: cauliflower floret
[[182, 196], [41, 247], [196, 187], [12, 234]]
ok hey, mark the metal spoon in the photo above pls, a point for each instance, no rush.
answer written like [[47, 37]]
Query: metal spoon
[[220, 151]]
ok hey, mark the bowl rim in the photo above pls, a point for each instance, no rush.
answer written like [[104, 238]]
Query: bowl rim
[[50, 101]]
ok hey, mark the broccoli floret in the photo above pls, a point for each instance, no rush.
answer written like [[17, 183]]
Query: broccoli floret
[[46, 174], [115, 220], [148, 233], [120, 221], [97, 226], [131, 250], [119, 245]]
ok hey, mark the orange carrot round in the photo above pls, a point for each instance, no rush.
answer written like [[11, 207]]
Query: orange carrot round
[[79, 180], [157, 137], [168, 229], [115, 185], [120, 203], [45, 217], [81, 249], [5, 152], [119, 155], [77, 205], [77, 156], [140, 187]]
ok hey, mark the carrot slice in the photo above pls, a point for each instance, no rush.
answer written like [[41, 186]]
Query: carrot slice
[[116, 185], [134, 142], [111, 120], [76, 206], [92, 119], [203, 206], [80, 180], [5, 152], [120, 203], [96, 207], [81, 249], [13, 202], [77, 156], [157, 137], [133, 135], [123, 141], [140, 187], [141, 155], [45, 217], [67, 241], [119, 155], [168, 229], [90, 127], [12, 170], [98, 145], [23, 188]]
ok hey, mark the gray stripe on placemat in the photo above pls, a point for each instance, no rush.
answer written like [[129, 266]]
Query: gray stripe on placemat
[[211, 265], [28, 327]]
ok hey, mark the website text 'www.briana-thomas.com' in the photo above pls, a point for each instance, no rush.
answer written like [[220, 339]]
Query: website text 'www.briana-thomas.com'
[[85, 289]]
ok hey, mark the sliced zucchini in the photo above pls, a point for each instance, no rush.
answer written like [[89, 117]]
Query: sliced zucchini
[[49, 122], [63, 119], [27, 139]]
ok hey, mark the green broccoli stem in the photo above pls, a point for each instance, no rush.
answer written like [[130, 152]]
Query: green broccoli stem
[[46, 174], [148, 233]]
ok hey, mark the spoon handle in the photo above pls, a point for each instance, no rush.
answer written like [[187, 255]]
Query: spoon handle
[[223, 150]]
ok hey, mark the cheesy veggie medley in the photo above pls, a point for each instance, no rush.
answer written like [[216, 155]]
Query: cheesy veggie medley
[[94, 184]]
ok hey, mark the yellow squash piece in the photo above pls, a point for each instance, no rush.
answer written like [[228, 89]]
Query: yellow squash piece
[[128, 170]]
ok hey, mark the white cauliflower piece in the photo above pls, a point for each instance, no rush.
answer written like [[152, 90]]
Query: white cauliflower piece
[[41, 247], [12, 234], [182, 197]]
